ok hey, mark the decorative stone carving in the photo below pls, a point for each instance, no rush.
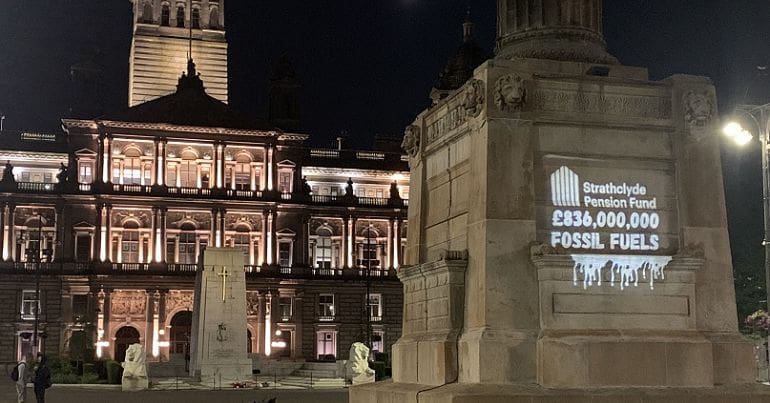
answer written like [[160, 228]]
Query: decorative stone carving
[[358, 365], [128, 305], [411, 142], [510, 94], [252, 303], [698, 109], [622, 105], [135, 369], [473, 100], [179, 300]]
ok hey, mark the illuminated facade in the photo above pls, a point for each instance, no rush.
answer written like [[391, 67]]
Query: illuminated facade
[[164, 33], [121, 231]]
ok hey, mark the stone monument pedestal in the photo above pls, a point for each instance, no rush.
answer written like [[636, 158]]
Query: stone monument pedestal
[[218, 345], [567, 236]]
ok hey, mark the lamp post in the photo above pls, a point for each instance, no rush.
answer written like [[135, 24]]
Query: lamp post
[[36, 260]]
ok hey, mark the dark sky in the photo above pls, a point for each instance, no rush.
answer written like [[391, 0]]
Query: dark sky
[[368, 66]]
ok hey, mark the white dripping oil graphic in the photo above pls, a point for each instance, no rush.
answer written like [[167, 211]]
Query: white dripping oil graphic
[[625, 269]]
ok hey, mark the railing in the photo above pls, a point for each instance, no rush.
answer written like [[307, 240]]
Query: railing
[[375, 318], [32, 266], [286, 270], [244, 193], [325, 318], [324, 153], [131, 188], [130, 267], [35, 186], [84, 187], [185, 191], [370, 155], [327, 272], [325, 199], [373, 201], [182, 267]]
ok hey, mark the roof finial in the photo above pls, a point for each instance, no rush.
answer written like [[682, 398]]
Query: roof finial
[[189, 51], [468, 26]]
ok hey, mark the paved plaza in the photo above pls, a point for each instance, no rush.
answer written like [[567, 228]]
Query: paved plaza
[[69, 394]]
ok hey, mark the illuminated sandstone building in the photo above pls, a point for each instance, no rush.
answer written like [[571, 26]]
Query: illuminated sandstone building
[[161, 46], [118, 233]]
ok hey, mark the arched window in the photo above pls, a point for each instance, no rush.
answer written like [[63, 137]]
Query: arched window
[[239, 174], [214, 18], [147, 13], [165, 15], [132, 166], [323, 248], [368, 249], [187, 244], [180, 17], [130, 245], [196, 18]]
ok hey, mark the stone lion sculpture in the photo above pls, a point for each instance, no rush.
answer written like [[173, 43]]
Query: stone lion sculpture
[[698, 109], [411, 142], [358, 364], [135, 369], [473, 101], [510, 93]]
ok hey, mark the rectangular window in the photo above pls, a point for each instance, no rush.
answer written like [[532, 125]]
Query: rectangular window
[[284, 308], [29, 305], [335, 191], [284, 181], [379, 194], [326, 345], [375, 307], [83, 248], [85, 172], [284, 253], [326, 307]]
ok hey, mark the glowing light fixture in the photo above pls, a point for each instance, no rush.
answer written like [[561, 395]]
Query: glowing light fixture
[[735, 132]]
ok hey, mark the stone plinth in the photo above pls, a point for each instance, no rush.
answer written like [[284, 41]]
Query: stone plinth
[[218, 344], [596, 264]]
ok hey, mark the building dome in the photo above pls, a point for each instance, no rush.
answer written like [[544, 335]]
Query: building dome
[[461, 65]]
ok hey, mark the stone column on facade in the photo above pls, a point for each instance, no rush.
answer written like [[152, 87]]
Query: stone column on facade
[[263, 241], [156, 162], [3, 237], [222, 228], [119, 258], [163, 336], [344, 244], [58, 237], [163, 233], [152, 255], [397, 246], [108, 158], [352, 242], [12, 231], [100, 159], [253, 177], [98, 236], [270, 167], [272, 223], [153, 323], [301, 255], [215, 166], [390, 245], [108, 232], [222, 171], [263, 174], [213, 235]]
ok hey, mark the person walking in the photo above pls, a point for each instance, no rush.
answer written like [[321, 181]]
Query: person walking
[[42, 380], [24, 370]]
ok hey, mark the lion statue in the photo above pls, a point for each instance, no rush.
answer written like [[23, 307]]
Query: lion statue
[[135, 369], [358, 364], [411, 142], [473, 101]]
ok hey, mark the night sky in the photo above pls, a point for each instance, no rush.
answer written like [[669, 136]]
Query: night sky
[[368, 66]]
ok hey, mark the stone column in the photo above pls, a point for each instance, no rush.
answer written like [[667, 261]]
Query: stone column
[[11, 231], [263, 249], [3, 237], [58, 238], [222, 227], [108, 226], [213, 236], [352, 256], [344, 244], [260, 329], [120, 249], [153, 255], [98, 235], [163, 245], [108, 158], [100, 160], [390, 245], [397, 247]]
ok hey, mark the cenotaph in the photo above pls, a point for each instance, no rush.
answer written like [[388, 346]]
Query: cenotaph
[[567, 231], [219, 336]]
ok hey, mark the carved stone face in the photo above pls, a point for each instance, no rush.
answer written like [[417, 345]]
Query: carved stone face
[[411, 142], [474, 98], [698, 109], [510, 93]]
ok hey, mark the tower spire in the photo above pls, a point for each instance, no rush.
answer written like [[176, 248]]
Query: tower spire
[[468, 27], [189, 39]]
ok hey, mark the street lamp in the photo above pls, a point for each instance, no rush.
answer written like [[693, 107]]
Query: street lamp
[[734, 130]]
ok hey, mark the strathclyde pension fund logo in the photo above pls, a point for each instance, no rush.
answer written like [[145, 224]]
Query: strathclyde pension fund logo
[[565, 188]]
